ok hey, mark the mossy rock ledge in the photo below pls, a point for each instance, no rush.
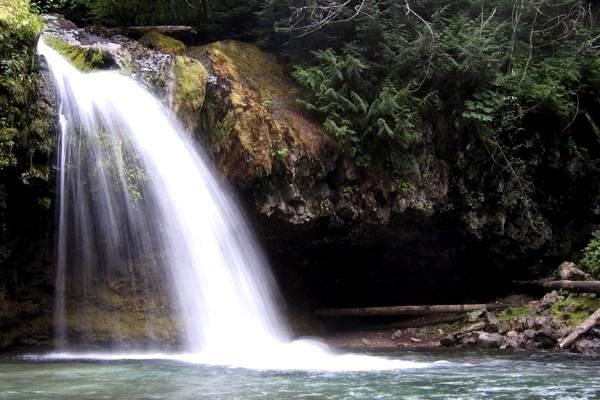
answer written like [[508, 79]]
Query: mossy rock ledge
[[83, 58], [250, 121]]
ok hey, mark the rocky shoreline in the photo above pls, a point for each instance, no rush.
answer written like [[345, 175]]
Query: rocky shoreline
[[531, 325]]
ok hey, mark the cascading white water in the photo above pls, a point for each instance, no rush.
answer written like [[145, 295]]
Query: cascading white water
[[133, 189]]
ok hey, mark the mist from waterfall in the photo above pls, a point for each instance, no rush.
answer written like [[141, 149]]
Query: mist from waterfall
[[138, 204]]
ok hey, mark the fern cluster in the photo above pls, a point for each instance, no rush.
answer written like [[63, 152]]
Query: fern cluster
[[369, 121], [591, 255]]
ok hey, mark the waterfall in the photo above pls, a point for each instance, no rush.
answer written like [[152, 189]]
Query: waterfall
[[132, 186], [138, 200]]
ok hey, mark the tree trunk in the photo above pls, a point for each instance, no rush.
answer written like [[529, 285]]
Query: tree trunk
[[575, 286], [585, 326], [405, 310]]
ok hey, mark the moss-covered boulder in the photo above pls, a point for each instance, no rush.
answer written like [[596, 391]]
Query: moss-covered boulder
[[189, 90], [250, 119], [164, 43], [83, 58]]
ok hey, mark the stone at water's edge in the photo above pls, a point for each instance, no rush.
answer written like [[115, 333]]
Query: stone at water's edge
[[490, 340]]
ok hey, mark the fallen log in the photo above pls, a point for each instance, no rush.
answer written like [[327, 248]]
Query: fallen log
[[574, 286], [420, 322], [585, 326], [151, 28], [405, 310]]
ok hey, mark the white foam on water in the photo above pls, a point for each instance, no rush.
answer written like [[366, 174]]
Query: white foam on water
[[304, 355]]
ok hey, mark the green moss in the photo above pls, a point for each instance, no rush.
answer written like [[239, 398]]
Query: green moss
[[83, 58], [281, 153], [7, 157], [574, 309], [190, 90], [405, 187], [516, 312], [221, 136], [160, 42]]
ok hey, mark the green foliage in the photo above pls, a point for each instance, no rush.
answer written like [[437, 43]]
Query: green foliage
[[368, 127], [591, 255], [48, 6], [574, 308], [26, 127], [282, 153], [19, 29], [348, 192]]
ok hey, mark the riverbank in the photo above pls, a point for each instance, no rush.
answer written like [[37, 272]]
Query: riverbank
[[527, 324]]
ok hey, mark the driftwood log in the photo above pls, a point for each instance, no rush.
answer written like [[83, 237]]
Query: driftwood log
[[420, 322], [405, 310], [575, 286], [585, 326]]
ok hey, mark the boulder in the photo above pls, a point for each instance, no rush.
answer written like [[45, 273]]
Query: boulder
[[546, 337], [530, 334], [492, 322], [512, 334], [490, 340], [547, 301], [468, 340], [250, 120], [588, 346], [568, 271], [449, 341]]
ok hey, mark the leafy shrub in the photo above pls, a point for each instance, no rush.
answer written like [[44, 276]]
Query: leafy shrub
[[591, 255], [369, 122]]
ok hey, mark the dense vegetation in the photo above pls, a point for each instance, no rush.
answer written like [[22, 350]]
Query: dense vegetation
[[26, 133], [506, 92], [26, 146]]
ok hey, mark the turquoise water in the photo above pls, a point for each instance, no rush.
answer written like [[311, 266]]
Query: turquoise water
[[463, 376]]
